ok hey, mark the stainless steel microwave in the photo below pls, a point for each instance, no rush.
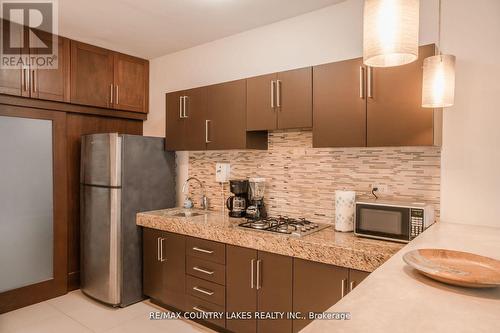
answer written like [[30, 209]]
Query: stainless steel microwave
[[391, 220]]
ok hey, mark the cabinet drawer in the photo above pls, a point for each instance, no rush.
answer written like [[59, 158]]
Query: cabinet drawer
[[206, 270], [209, 291], [205, 249], [199, 305]]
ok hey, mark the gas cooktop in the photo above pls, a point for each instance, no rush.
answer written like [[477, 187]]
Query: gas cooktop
[[284, 225]]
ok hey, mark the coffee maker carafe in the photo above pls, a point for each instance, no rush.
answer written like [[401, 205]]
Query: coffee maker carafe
[[237, 204], [256, 208]]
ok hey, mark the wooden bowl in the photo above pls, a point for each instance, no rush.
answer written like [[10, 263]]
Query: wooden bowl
[[456, 268]]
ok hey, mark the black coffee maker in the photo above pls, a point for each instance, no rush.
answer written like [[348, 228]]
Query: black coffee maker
[[237, 204]]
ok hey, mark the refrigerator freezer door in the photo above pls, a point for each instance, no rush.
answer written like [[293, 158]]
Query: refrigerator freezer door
[[100, 243], [101, 160]]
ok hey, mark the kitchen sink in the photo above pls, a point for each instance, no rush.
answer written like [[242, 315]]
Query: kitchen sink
[[187, 214]]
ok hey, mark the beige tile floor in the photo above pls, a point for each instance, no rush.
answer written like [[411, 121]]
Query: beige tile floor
[[76, 313]]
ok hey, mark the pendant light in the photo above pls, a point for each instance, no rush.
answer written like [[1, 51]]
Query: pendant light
[[390, 32], [438, 87]]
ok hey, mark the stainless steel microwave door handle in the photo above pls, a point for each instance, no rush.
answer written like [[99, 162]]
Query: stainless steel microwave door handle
[[259, 284], [342, 290], [252, 262], [351, 285], [202, 250], [272, 94], [361, 82]]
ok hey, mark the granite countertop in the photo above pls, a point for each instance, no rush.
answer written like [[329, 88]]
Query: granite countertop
[[396, 298], [326, 246]]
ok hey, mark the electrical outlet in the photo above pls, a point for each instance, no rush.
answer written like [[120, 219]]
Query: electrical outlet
[[222, 172], [382, 188]]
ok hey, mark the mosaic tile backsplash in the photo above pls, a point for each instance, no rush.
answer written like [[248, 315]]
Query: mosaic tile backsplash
[[301, 180]]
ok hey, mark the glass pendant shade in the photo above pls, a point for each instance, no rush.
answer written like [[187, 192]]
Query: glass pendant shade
[[390, 32], [438, 88]]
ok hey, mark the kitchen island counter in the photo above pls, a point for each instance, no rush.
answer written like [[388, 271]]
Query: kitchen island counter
[[326, 246], [396, 298]]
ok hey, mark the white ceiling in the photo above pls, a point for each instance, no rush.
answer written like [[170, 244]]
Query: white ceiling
[[151, 28]]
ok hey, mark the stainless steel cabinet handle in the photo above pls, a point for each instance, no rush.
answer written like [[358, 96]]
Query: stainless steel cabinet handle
[[369, 83], [33, 80], [258, 275], [116, 97], [111, 93], [351, 285], [198, 269], [180, 107], [184, 107], [361, 82], [26, 78], [278, 93], [202, 250], [158, 246], [161, 250], [342, 292], [203, 291], [206, 131], [272, 93], [200, 309], [252, 262]]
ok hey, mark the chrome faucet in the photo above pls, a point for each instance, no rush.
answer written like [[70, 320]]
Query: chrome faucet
[[204, 199]]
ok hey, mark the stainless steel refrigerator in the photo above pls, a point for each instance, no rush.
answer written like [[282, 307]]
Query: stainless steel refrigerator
[[121, 175]]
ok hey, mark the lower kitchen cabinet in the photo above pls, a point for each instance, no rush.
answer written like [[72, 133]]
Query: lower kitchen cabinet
[[258, 281], [318, 286], [164, 267]]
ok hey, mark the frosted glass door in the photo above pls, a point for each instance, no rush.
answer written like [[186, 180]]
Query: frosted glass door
[[26, 202]]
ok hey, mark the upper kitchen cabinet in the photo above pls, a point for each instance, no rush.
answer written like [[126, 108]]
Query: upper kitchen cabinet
[[104, 78], [395, 116], [13, 81], [280, 101], [131, 81], [225, 125], [339, 104], [52, 84], [186, 119], [91, 75]]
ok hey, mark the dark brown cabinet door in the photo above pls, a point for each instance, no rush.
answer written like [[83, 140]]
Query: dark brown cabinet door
[[316, 287], [294, 98], [355, 278], [91, 75], [275, 290], [53, 84], [152, 266], [395, 116], [241, 288], [226, 116], [13, 81], [339, 102], [261, 106], [164, 267], [175, 139], [131, 80], [195, 114]]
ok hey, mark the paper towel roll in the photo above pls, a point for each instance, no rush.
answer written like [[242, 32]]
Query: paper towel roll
[[344, 210]]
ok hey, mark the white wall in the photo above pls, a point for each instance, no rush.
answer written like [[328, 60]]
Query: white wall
[[470, 181], [470, 172]]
